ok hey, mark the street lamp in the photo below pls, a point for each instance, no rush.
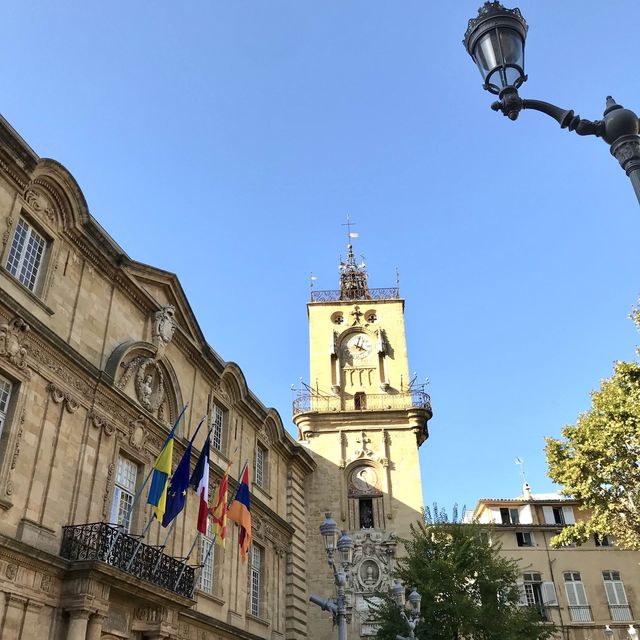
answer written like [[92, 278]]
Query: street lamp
[[495, 40], [409, 612], [344, 545], [608, 632], [633, 632]]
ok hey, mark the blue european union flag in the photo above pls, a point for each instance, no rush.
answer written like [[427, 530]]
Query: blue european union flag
[[177, 491]]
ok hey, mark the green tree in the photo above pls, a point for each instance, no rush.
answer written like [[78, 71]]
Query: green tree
[[597, 461], [468, 589]]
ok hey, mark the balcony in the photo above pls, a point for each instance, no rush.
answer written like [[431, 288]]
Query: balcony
[[620, 613], [390, 293], [309, 402], [580, 613], [107, 543]]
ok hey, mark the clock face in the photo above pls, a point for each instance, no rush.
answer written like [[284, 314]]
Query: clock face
[[358, 346]]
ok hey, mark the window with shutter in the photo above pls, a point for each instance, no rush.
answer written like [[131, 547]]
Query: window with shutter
[[549, 598], [579, 608], [616, 596]]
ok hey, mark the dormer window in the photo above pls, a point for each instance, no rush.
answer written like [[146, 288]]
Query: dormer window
[[509, 515]]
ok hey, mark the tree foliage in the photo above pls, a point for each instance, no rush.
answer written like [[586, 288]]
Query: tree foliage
[[596, 461], [468, 589]]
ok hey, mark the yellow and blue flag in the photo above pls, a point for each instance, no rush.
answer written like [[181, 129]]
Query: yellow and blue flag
[[161, 471]]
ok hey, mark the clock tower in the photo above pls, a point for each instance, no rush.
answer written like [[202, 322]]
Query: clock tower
[[363, 419]]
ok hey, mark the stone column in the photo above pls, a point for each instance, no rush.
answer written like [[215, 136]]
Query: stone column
[[14, 616], [78, 620], [94, 628]]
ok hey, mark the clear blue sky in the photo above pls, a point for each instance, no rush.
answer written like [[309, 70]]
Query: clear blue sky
[[226, 141]]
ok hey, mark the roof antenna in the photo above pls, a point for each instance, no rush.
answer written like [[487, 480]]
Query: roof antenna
[[526, 489]]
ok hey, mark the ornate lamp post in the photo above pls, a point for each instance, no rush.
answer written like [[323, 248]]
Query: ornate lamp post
[[608, 632], [633, 632], [495, 40], [411, 611], [344, 546]]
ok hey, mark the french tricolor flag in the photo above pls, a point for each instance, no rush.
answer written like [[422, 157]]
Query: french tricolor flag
[[200, 482]]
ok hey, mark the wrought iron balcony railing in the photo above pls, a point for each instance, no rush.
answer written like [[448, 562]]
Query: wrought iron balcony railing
[[308, 402], [390, 293], [580, 613], [620, 613], [109, 544]]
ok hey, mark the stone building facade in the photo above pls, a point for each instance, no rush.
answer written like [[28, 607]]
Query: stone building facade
[[363, 419], [98, 355], [584, 590]]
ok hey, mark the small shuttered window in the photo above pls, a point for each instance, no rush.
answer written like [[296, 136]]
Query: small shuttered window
[[614, 588]]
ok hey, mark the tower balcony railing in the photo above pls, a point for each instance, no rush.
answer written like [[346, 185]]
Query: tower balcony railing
[[311, 402], [337, 295], [108, 543]]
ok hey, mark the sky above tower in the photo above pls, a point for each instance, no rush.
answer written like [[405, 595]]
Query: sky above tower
[[227, 142]]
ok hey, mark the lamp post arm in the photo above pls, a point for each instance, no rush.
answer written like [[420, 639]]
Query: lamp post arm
[[510, 104], [566, 118]]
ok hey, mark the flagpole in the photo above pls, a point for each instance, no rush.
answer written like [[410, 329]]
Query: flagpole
[[136, 497], [164, 544], [135, 551], [184, 564]]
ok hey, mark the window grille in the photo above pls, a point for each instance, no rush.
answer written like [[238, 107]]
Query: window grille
[[25, 256]]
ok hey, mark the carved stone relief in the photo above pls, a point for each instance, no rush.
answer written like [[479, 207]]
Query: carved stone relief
[[107, 491], [16, 448], [40, 204], [374, 555], [149, 381], [61, 397], [12, 337], [164, 326], [7, 231], [219, 389], [102, 423], [138, 434], [364, 481], [42, 356]]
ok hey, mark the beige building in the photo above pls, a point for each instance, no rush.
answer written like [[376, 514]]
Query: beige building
[[98, 354], [362, 419], [584, 589]]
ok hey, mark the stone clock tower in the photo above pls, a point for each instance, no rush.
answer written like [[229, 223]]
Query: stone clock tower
[[363, 419]]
